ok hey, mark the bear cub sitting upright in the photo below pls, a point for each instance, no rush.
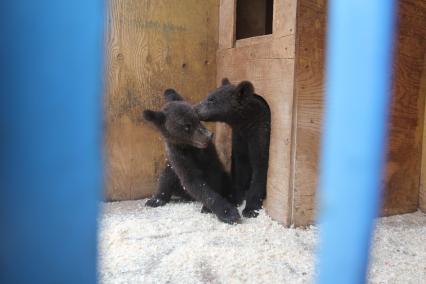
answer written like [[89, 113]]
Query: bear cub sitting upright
[[193, 166], [249, 117]]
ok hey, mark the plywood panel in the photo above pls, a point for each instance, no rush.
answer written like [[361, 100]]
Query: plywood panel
[[405, 133], [151, 46]]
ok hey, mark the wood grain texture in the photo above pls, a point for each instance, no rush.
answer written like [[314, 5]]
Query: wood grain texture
[[151, 46], [405, 130], [308, 108], [268, 62]]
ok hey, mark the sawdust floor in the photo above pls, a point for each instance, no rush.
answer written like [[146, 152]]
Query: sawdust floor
[[178, 244]]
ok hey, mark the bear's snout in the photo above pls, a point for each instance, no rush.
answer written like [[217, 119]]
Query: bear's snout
[[200, 110], [202, 137]]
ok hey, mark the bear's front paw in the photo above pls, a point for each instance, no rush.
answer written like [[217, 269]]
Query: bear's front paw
[[250, 213], [205, 210], [229, 215], [235, 199], [155, 202]]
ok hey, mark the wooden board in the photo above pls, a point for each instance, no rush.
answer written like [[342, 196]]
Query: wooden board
[[308, 110], [405, 131], [151, 46], [422, 192], [284, 18], [227, 23], [268, 62]]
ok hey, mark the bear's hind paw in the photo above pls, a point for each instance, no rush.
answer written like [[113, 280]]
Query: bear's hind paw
[[205, 210], [155, 202], [230, 216]]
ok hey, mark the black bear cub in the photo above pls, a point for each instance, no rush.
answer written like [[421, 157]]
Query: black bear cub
[[193, 166], [249, 117]]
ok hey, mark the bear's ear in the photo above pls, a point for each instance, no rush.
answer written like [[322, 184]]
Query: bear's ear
[[171, 95], [244, 89], [225, 81], [156, 117]]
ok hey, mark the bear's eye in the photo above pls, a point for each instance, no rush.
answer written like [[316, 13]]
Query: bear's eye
[[187, 127], [211, 100]]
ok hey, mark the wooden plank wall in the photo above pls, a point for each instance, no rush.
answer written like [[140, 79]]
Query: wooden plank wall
[[151, 46]]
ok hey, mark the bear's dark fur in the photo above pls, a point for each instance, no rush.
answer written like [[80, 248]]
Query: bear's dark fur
[[193, 165], [249, 117]]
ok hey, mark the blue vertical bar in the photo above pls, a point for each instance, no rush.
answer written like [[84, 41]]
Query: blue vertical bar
[[50, 139], [353, 146]]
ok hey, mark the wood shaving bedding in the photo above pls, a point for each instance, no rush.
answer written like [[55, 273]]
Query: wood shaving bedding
[[178, 244]]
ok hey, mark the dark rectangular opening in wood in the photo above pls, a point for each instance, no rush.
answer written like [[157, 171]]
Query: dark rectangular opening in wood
[[254, 18]]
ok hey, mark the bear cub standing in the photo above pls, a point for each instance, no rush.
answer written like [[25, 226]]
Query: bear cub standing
[[193, 166], [249, 117]]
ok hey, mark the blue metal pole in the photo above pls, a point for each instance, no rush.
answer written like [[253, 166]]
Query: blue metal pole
[[353, 144], [50, 139]]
